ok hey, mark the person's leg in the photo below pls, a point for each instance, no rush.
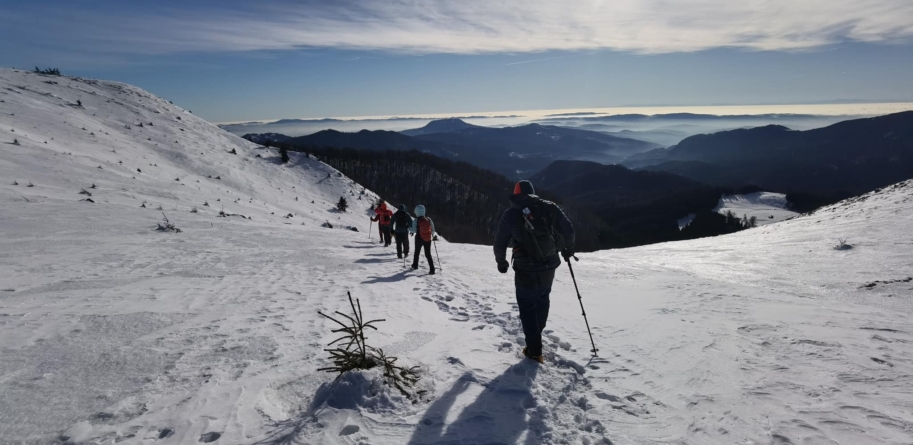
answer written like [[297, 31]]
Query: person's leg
[[406, 243], [399, 244], [387, 236], [542, 302], [428, 256], [527, 302], [418, 251], [380, 232]]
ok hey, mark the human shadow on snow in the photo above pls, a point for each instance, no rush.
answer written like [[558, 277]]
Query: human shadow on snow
[[399, 276], [497, 415], [374, 260]]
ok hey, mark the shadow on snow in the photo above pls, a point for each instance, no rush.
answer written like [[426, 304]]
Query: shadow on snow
[[497, 415]]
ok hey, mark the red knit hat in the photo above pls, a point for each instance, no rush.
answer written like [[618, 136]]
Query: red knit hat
[[524, 187]]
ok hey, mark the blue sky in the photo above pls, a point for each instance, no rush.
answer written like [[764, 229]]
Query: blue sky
[[230, 60]]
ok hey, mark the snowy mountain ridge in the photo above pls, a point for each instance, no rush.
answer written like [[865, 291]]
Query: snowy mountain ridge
[[137, 147], [114, 332]]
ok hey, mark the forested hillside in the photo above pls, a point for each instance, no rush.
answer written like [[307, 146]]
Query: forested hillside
[[465, 201]]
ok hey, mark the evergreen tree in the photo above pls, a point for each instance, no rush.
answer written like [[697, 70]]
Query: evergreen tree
[[284, 154], [342, 205]]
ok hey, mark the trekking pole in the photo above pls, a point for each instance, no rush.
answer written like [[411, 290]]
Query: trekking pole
[[439, 263], [370, 226], [580, 299]]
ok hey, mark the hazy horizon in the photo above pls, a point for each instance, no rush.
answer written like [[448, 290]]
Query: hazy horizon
[[849, 109]]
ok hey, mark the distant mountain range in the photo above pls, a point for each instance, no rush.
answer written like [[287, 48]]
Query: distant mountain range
[[439, 126], [264, 138], [849, 157], [512, 151], [633, 117]]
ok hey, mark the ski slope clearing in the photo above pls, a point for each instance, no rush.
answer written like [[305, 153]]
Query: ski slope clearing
[[767, 207], [114, 332]]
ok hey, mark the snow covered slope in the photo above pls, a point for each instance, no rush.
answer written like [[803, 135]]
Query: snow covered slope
[[137, 148], [767, 207], [113, 332]]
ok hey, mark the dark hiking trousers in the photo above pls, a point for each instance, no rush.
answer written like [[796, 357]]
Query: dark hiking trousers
[[402, 243], [419, 245], [533, 289], [386, 231]]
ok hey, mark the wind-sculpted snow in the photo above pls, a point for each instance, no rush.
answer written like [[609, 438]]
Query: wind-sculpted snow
[[113, 332]]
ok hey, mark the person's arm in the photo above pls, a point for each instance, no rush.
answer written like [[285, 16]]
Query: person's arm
[[502, 238], [412, 228], [375, 218], [565, 228], [433, 232]]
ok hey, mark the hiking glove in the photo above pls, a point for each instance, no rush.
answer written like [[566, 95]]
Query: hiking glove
[[567, 254], [503, 266]]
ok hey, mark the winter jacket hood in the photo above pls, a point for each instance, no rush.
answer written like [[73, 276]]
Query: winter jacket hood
[[419, 211]]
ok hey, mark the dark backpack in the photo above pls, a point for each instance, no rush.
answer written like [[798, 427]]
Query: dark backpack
[[402, 220], [539, 239]]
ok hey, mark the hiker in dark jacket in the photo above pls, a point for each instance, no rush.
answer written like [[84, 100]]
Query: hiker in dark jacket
[[423, 228], [538, 231], [402, 221]]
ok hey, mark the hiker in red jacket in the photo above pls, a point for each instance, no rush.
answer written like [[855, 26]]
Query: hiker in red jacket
[[384, 218], [376, 218]]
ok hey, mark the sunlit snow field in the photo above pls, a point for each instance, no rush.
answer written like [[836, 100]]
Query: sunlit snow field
[[112, 331]]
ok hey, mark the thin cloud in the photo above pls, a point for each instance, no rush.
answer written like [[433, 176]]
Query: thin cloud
[[523, 62], [477, 26]]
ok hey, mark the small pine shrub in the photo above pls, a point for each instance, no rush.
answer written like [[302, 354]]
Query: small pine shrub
[[284, 154], [353, 353], [342, 205], [842, 244], [167, 226]]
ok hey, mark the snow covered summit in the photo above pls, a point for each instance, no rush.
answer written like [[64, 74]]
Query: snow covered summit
[[114, 332]]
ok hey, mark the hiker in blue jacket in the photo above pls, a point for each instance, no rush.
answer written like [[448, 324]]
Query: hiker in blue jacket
[[538, 231]]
